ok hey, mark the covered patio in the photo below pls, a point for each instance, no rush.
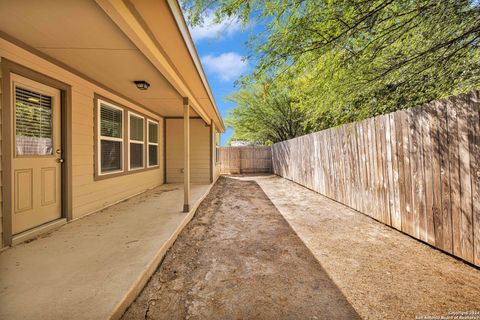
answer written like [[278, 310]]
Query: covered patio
[[131, 109], [94, 268]]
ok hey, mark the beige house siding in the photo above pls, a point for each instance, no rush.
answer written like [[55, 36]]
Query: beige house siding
[[88, 195], [199, 151], [1, 184]]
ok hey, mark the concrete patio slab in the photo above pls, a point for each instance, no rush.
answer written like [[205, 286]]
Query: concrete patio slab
[[94, 268]]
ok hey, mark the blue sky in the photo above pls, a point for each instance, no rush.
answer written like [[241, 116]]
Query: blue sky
[[221, 48]]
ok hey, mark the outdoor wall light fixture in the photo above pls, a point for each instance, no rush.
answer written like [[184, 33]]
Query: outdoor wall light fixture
[[142, 84]]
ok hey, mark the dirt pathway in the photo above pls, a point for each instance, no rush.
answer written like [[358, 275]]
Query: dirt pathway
[[383, 273], [239, 259]]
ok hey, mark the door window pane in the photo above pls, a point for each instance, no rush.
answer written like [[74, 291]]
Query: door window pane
[[111, 155], [33, 123]]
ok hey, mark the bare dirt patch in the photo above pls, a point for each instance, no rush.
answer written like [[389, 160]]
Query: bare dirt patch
[[383, 273], [239, 259]]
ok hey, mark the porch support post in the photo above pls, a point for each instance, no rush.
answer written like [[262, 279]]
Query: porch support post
[[186, 155], [212, 149]]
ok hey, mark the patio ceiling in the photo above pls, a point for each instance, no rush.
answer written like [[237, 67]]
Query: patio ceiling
[[82, 36]]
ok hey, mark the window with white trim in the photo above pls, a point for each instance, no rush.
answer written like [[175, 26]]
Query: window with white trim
[[152, 144], [136, 141], [110, 135]]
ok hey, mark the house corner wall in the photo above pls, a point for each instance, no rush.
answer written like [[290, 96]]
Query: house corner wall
[[199, 151], [1, 167]]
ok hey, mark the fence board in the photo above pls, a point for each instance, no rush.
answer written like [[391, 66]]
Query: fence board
[[464, 132], [389, 169], [395, 216], [446, 150], [373, 162], [363, 165], [453, 153], [385, 210], [475, 170], [417, 170], [429, 161]]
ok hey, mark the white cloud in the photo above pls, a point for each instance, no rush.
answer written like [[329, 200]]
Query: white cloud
[[226, 66], [211, 30]]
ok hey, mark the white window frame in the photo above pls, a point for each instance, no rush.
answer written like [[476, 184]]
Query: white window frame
[[130, 113], [100, 138], [152, 143]]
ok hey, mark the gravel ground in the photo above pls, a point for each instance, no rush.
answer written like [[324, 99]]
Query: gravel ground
[[239, 259], [262, 247]]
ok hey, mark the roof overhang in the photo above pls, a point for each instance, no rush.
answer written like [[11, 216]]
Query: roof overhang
[[146, 24], [182, 25], [114, 42]]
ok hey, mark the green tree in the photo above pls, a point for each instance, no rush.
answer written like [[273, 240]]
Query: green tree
[[265, 116], [345, 60]]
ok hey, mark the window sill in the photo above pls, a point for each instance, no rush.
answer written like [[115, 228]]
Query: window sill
[[98, 177]]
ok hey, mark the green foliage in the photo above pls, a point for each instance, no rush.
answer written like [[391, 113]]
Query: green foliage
[[265, 118], [346, 60]]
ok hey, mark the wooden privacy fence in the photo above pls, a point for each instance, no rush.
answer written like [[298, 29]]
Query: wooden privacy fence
[[417, 170], [235, 160]]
